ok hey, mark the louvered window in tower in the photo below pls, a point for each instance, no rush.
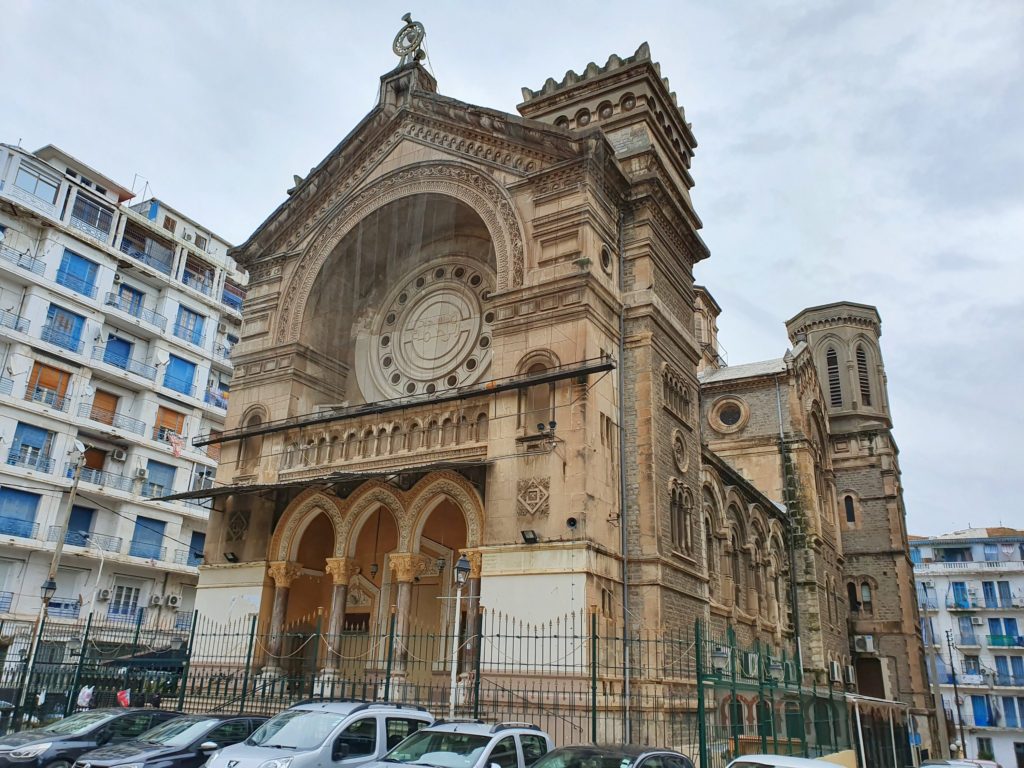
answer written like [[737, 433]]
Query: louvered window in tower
[[862, 376], [835, 387]]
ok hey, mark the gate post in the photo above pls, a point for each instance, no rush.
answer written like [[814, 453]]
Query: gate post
[[702, 726], [248, 663], [78, 668], [391, 653], [186, 667]]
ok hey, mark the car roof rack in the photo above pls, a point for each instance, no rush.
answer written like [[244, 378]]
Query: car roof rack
[[361, 704], [514, 724], [460, 721]]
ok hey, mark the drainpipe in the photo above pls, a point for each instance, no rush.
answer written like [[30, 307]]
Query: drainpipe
[[623, 533], [794, 604]]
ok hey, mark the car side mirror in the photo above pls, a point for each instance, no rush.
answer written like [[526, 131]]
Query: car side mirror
[[103, 737], [208, 746], [494, 765]]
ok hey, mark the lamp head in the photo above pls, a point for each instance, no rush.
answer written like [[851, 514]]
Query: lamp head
[[48, 590], [462, 569]]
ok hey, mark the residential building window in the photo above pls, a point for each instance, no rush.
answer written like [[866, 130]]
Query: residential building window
[[233, 296], [130, 300], [78, 273], [198, 274], [49, 386], [988, 589], [980, 709], [189, 326], [851, 597], [985, 748], [196, 545], [18, 512], [79, 523], [148, 538], [31, 448], [37, 183], [862, 375], [170, 224], [169, 425], [835, 386], [180, 375], [915, 555], [1005, 596], [104, 407], [125, 601], [63, 328], [865, 598], [991, 552], [117, 352], [972, 665], [851, 512], [91, 213], [201, 242], [160, 478]]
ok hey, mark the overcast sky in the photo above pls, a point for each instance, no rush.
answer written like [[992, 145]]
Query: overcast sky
[[852, 150]]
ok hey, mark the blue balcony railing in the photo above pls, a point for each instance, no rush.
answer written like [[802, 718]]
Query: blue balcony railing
[[82, 539], [191, 335], [197, 283], [15, 526], [126, 614], [157, 263], [216, 399], [155, 490], [76, 283], [1005, 678], [99, 352], [101, 478], [222, 351], [62, 339], [29, 458], [6, 599], [63, 607], [148, 551], [23, 260], [51, 398], [137, 310], [183, 620], [182, 386], [13, 321], [117, 420], [231, 301], [188, 557], [1005, 641]]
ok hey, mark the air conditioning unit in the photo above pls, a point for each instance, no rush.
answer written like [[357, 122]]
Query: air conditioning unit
[[117, 277], [864, 643], [972, 591], [103, 595], [188, 236], [928, 584], [835, 672], [119, 454], [977, 621], [156, 600], [222, 328], [140, 472], [172, 601], [751, 665], [851, 674]]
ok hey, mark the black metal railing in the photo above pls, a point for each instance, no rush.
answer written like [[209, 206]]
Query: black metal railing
[[111, 418]]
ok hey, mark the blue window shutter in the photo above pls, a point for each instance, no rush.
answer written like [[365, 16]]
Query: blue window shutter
[[33, 437], [1017, 666], [980, 709], [80, 521], [117, 352], [995, 627], [196, 546], [1011, 627], [81, 271], [64, 322], [17, 512], [161, 474], [148, 537], [179, 374]]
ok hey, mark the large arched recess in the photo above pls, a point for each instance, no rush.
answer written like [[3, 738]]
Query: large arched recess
[[469, 186]]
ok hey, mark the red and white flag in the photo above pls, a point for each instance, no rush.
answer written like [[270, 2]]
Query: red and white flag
[[124, 698], [177, 444]]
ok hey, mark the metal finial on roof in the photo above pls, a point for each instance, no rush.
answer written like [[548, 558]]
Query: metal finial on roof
[[409, 41]]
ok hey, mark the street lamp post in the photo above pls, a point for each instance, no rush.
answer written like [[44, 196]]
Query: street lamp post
[[461, 574], [87, 537]]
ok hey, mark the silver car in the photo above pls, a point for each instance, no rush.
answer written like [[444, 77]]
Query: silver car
[[336, 734], [470, 744]]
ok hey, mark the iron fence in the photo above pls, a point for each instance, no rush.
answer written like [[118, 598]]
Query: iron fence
[[699, 691]]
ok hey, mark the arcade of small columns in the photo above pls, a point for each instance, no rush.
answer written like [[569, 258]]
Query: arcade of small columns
[[410, 511]]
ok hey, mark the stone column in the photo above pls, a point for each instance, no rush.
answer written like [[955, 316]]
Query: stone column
[[341, 570], [283, 573], [405, 566]]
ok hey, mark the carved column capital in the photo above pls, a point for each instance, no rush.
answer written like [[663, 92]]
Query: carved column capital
[[476, 559], [284, 573], [341, 569], [408, 565]]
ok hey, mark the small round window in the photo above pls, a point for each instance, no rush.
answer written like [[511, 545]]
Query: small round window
[[729, 414]]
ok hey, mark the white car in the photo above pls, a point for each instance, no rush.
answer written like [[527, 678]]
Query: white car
[[778, 761], [470, 744]]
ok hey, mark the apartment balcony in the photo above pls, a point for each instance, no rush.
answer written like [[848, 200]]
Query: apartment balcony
[[15, 526], [111, 418], [77, 539], [196, 282], [969, 640], [79, 222], [101, 478], [76, 283], [155, 491], [22, 260], [963, 678], [231, 300], [138, 311], [180, 386], [6, 386], [126, 614], [32, 201], [187, 557], [62, 339], [149, 255], [29, 458], [182, 620], [963, 603], [63, 607], [216, 399], [1005, 641], [222, 352], [13, 322], [931, 604], [191, 335], [147, 551], [6, 600], [51, 398], [961, 569], [99, 352], [1007, 679]]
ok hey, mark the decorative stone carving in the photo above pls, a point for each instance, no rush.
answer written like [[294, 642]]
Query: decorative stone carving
[[533, 496], [679, 453], [476, 559], [357, 598], [423, 498], [238, 525], [284, 573], [298, 513], [341, 569], [408, 565]]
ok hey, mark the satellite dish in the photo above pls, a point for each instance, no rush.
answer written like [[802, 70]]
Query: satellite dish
[[79, 446], [162, 356]]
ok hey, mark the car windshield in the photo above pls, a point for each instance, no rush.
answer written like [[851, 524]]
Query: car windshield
[[78, 724], [296, 729], [179, 731], [584, 757], [441, 749]]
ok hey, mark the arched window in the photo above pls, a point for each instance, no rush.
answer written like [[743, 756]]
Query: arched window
[[851, 595], [536, 403], [251, 447], [835, 386], [687, 504], [862, 375], [737, 587], [709, 557], [481, 427], [865, 597], [397, 438], [851, 512], [828, 600]]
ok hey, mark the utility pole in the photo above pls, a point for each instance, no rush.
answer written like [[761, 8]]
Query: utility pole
[[927, 635], [50, 585], [956, 693]]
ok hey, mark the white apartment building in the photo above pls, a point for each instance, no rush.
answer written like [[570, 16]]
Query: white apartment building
[[971, 584], [116, 328]]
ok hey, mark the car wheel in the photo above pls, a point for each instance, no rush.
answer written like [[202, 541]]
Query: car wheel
[[59, 764]]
